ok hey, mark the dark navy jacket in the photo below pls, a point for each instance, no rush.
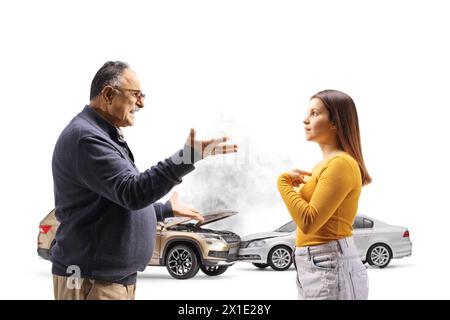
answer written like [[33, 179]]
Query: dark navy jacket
[[106, 207]]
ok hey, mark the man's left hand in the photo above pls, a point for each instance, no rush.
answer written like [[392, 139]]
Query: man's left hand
[[182, 210]]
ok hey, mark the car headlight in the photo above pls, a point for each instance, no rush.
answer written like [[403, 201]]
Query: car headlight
[[212, 237], [256, 243]]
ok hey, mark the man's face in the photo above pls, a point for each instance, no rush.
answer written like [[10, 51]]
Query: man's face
[[126, 100]]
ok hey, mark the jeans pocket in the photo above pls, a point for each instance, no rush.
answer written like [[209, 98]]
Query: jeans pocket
[[324, 262], [359, 282], [317, 284]]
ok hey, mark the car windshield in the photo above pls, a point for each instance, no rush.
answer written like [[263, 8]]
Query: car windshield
[[288, 227]]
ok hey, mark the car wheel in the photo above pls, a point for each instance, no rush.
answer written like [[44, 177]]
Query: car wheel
[[213, 270], [280, 258], [379, 255], [261, 265], [182, 262]]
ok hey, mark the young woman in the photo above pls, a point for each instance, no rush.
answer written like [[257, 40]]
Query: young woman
[[327, 262]]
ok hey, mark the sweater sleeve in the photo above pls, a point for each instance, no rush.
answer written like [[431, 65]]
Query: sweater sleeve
[[163, 210], [103, 170], [334, 184]]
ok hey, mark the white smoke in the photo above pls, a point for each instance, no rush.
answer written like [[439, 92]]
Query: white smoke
[[245, 182]]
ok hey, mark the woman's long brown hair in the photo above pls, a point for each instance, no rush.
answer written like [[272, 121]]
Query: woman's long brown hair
[[343, 114]]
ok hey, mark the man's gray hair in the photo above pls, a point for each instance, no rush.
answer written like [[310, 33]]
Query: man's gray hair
[[109, 74]]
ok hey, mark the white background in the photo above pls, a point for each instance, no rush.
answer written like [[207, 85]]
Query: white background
[[247, 69]]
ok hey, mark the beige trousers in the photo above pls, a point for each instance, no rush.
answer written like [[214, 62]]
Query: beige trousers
[[66, 288]]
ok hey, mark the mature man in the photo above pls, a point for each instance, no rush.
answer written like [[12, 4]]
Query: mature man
[[106, 207]]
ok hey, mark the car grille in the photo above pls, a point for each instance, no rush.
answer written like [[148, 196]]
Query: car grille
[[231, 238], [228, 255], [250, 257], [218, 254]]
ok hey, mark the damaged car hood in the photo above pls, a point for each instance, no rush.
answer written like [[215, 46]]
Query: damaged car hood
[[209, 217]]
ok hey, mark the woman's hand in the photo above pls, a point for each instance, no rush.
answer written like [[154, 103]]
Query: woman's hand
[[297, 176]]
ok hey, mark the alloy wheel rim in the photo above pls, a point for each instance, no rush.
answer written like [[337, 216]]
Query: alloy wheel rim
[[379, 256], [281, 258], [180, 262]]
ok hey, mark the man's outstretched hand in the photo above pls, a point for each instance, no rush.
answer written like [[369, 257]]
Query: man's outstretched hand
[[210, 147], [182, 210]]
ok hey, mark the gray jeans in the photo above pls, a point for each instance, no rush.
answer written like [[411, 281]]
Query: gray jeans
[[332, 270]]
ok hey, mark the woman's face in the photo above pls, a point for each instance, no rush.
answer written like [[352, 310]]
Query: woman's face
[[318, 127]]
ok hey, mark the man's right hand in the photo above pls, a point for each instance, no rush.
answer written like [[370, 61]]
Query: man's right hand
[[210, 147]]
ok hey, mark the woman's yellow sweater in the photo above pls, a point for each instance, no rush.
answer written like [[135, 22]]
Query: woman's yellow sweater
[[325, 207]]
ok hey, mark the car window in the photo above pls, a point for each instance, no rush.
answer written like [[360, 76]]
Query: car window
[[368, 223], [359, 223], [288, 227]]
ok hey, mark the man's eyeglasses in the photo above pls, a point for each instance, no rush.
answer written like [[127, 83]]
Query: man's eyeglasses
[[138, 94]]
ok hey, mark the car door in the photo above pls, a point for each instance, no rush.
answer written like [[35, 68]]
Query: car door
[[156, 251], [361, 235]]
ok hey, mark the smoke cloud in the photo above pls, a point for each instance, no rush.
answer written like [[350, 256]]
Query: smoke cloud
[[245, 182]]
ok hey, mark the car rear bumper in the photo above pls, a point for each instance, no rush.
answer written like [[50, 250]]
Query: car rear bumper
[[401, 250]]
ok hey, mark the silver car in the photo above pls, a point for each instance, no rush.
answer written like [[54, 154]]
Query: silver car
[[377, 243]]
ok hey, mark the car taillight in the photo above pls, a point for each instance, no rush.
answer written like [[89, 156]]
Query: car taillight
[[406, 234], [44, 229]]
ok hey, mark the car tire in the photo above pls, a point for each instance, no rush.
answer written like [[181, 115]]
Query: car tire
[[213, 270], [280, 258], [379, 255], [260, 265], [182, 262]]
